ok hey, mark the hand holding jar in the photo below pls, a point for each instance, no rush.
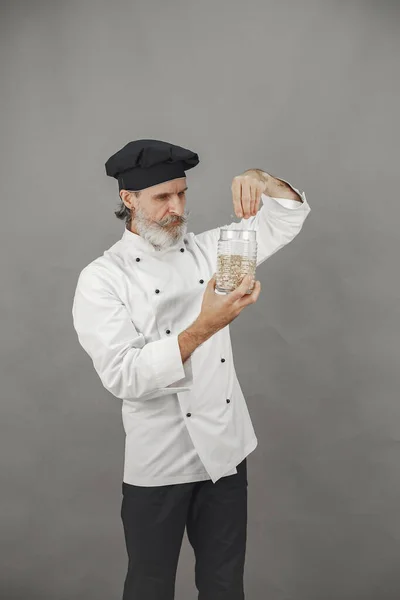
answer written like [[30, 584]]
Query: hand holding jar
[[217, 311]]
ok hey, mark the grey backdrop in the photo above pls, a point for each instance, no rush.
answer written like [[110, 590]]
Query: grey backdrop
[[306, 90]]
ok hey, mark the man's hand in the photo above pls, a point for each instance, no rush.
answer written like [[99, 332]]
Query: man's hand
[[246, 193], [217, 311]]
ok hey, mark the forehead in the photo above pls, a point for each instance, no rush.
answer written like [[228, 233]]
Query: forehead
[[168, 187]]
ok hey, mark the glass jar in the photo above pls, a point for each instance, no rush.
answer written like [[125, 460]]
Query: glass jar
[[236, 257]]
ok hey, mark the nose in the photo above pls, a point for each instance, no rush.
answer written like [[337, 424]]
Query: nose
[[175, 211]]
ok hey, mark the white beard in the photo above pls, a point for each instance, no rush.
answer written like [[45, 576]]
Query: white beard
[[161, 237]]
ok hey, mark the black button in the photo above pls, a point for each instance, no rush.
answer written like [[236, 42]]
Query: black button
[[228, 400], [222, 360], [189, 415], [182, 249], [157, 291], [185, 241], [168, 331], [137, 260], [201, 280]]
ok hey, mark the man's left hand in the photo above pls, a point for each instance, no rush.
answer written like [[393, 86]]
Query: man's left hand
[[246, 194]]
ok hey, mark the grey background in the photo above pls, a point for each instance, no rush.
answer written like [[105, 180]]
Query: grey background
[[306, 90]]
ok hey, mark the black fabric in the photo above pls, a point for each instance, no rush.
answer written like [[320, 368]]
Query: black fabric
[[144, 163], [215, 517]]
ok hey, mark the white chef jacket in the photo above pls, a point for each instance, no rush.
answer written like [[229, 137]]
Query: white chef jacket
[[183, 422]]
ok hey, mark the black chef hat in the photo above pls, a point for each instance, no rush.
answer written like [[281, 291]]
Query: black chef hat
[[144, 163]]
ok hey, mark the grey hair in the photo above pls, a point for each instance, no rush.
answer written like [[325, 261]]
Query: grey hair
[[123, 212]]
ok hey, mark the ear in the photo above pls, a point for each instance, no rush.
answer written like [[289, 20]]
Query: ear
[[125, 198]]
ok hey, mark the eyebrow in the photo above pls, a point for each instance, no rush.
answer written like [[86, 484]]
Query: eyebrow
[[165, 194]]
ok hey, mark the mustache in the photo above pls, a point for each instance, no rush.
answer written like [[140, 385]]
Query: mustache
[[183, 219]]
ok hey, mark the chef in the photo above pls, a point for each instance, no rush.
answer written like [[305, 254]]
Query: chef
[[158, 335]]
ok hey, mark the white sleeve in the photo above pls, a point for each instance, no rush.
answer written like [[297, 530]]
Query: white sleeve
[[126, 365], [277, 223]]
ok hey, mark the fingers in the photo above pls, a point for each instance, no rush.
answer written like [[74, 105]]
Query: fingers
[[246, 195], [236, 195], [246, 198], [253, 200], [250, 298], [239, 293], [256, 291], [241, 288]]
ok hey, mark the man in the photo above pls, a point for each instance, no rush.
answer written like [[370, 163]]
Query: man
[[147, 314]]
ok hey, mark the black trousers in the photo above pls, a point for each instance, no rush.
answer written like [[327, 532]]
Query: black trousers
[[215, 517]]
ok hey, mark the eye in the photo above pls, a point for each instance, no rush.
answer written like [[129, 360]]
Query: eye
[[180, 193]]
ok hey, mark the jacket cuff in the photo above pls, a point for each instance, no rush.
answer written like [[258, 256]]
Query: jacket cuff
[[167, 364]]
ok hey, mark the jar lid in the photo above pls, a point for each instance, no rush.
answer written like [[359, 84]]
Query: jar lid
[[238, 234]]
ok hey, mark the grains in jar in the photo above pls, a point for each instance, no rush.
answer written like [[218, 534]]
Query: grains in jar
[[236, 257]]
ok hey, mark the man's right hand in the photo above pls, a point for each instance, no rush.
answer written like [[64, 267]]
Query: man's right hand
[[217, 311]]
